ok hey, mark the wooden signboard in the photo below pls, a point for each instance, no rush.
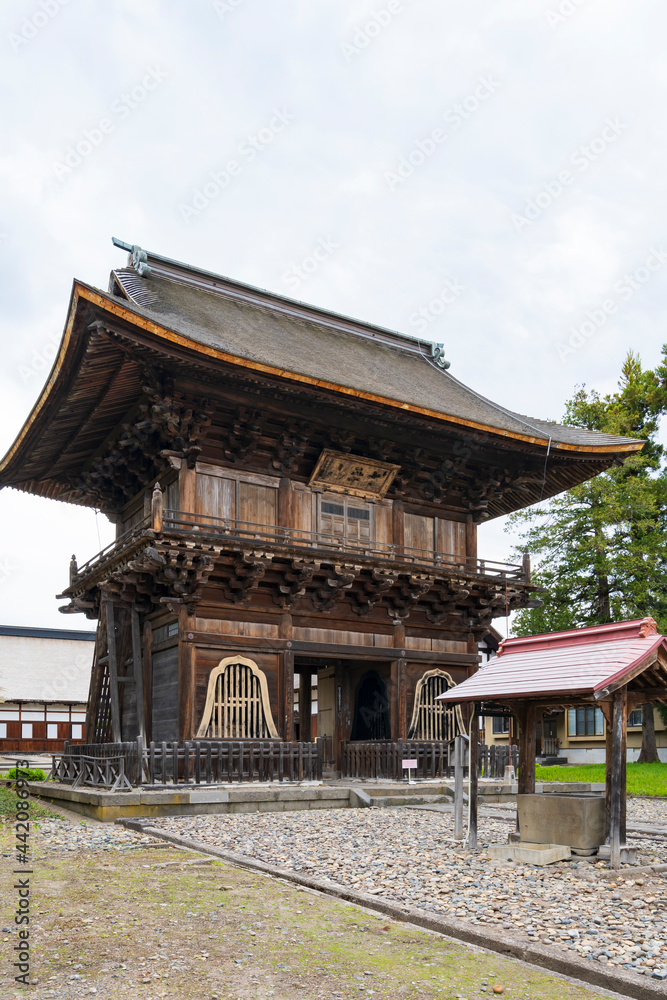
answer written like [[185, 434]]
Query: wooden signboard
[[353, 475]]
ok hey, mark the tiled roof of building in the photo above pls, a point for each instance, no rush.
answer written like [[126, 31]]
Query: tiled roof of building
[[589, 662]]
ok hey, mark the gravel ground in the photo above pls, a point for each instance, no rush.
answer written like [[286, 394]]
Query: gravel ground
[[409, 855]]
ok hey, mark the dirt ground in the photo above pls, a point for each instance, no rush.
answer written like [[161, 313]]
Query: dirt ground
[[158, 922]]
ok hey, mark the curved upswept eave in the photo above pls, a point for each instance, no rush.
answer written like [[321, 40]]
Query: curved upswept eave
[[55, 384], [66, 367]]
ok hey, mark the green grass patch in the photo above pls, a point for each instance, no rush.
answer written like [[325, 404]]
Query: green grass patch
[[8, 806], [27, 774], [643, 779]]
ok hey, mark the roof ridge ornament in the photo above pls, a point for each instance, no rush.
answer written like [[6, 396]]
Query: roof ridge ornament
[[139, 259], [438, 356]]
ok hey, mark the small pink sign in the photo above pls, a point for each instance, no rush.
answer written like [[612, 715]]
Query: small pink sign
[[409, 765]]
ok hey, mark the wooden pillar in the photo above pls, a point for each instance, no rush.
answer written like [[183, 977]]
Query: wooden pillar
[[526, 720], [618, 776], [607, 711], [471, 541], [397, 709], [473, 746], [459, 751], [148, 678], [95, 686], [398, 524], [113, 670], [288, 695], [157, 508], [305, 705], [138, 672], [399, 699], [186, 675]]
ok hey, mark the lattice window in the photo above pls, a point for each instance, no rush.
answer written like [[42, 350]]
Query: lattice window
[[237, 703], [345, 517], [431, 719]]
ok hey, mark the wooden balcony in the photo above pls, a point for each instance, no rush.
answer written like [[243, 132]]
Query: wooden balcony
[[173, 555]]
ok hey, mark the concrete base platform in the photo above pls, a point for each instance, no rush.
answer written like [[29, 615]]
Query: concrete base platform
[[190, 800], [531, 854], [193, 800]]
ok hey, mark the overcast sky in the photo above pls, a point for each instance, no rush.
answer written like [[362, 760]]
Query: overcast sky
[[488, 175]]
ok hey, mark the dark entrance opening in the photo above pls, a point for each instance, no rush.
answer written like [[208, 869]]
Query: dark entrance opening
[[371, 709]]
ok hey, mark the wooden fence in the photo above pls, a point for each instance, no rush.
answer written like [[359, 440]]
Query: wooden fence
[[192, 762], [492, 760], [215, 761], [196, 762], [95, 772], [384, 759]]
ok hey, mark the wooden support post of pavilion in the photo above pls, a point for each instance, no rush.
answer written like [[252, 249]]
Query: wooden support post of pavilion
[[618, 776], [473, 748]]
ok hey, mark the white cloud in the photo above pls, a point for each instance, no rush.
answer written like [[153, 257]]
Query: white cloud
[[323, 177]]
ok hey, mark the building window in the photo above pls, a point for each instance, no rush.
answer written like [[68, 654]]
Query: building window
[[588, 721], [345, 517], [3, 730], [237, 702], [26, 730], [52, 730], [635, 718], [501, 726], [77, 731], [433, 719]]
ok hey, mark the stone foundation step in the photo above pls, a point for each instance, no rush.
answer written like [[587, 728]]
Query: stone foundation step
[[412, 799]]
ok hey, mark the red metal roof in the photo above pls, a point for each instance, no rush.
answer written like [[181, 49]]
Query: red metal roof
[[583, 662]]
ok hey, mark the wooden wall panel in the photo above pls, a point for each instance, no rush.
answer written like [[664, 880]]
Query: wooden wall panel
[[333, 635], [413, 643], [419, 532], [383, 524], [451, 537], [215, 496], [165, 694], [221, 626], [257, 504], [171, 496], [302, 510], [448, 646]]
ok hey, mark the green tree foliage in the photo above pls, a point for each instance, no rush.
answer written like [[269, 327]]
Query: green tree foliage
[[602, 547]]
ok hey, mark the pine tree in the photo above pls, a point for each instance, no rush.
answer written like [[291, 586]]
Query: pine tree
[[602, 546]]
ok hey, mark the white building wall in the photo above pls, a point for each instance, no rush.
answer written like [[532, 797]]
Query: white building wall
[[45, 669]]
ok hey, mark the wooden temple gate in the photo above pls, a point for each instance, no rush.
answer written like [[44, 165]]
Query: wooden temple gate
[[296, 498]]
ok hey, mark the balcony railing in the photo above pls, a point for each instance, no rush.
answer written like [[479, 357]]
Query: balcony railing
[[316, 544]]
